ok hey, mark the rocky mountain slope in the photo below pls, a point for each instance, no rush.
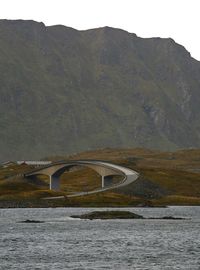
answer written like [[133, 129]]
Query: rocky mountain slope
[[65, 91]]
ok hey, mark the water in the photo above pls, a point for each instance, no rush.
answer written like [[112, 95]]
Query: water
[[65, 243]]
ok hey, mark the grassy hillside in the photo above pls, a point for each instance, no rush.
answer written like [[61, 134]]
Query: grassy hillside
[[165, 178], [65, 91]]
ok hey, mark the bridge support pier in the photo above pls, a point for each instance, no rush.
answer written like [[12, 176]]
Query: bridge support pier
[[54, 183], [102, 181], [50, 182]]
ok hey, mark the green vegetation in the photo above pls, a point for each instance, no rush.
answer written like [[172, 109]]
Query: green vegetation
[[66, 91]]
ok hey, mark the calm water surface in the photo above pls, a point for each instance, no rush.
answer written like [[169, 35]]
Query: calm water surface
[[65, 243]]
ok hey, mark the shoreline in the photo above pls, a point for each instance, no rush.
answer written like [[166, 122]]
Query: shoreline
[[29, 204]]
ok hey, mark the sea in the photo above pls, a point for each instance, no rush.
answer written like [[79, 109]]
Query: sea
[[62, 242]]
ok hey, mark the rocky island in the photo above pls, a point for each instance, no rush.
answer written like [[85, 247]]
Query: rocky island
[[109, 215], [118, 215]]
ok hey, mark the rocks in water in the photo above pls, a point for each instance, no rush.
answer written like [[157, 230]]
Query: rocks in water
[[31, 221], [119, 215], [109, 215], [170, 217], [167, 218]]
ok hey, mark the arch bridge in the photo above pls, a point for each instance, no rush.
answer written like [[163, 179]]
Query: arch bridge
[[103, 168]]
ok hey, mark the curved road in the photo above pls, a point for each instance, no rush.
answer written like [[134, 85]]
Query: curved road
[[102, 167]]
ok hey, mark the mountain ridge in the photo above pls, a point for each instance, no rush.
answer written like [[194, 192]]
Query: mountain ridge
[[64, 91]]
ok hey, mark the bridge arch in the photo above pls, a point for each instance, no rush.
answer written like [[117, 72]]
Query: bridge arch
[[55, 170]]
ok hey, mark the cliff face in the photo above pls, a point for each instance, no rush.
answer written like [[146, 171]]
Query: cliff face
[[64, 91]]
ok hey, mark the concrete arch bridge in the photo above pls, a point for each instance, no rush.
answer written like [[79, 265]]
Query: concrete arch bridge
[[103, 168]]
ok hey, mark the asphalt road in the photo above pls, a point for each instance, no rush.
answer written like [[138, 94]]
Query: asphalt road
[[129, 176]]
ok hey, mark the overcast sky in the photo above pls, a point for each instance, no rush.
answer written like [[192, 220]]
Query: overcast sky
[[178, 19]]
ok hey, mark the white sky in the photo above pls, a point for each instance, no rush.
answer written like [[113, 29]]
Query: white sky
[[178, 19]]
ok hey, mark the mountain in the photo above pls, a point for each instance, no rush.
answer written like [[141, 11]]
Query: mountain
[[66, 91]]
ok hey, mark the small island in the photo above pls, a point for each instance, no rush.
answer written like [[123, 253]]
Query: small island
[[119, 215], [109, 215]]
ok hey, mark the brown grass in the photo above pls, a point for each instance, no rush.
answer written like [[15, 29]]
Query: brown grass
[[177, 172], [177, 200]]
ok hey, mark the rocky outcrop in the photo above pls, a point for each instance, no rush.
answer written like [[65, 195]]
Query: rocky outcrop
[[108, 215], [31, 221], [119, 215]]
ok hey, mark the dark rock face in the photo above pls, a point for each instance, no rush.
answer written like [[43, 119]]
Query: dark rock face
[[64, 91], [144, 188]]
